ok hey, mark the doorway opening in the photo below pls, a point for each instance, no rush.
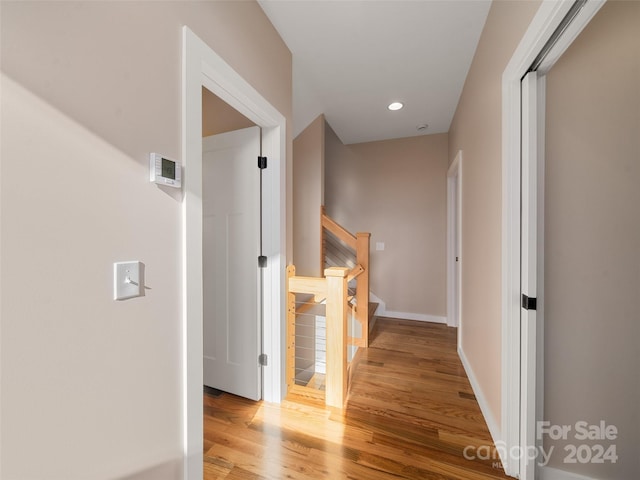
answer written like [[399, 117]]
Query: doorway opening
[[202, 67], [454, 244], [232, 280]]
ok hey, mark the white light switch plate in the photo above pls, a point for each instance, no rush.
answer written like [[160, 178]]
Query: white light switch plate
[[379, 246], [128, 280]]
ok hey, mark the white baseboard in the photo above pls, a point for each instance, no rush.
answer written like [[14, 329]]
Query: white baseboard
[[544, 473], [413, 316], [495, 432], [382, 311], [548, 473]]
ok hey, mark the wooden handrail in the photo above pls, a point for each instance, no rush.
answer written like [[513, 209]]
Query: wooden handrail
[[311, 285], [338, 230], [360, 244], [355, 272]]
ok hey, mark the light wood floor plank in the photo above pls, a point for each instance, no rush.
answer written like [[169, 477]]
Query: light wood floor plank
[[410, 414]]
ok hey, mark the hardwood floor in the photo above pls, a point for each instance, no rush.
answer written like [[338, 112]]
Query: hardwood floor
[[410, 415]]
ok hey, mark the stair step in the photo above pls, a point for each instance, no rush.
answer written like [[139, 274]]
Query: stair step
[[372, 314], [373, 306], [317, 382]]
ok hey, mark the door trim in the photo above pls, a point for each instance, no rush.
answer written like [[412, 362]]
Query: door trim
[[203, 67], [454, 243], [546, 20], [532, 239]]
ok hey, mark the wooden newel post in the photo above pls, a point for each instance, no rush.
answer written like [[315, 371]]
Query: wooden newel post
[[362, 290], [336, 379]]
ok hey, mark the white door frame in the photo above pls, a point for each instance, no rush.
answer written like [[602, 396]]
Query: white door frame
[[203, 67], [549, 16], [454, 244], [532, 270]]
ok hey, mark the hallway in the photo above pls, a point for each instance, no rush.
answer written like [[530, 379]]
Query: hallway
[[411, 414]]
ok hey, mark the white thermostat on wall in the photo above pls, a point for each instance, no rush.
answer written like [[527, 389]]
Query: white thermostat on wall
[[164, 171]]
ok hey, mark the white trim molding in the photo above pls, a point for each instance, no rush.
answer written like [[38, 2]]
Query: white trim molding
[[547, 19], [454, 242], [382, 311], [203, 67], [548, 473], [494, 428], [419, 317]]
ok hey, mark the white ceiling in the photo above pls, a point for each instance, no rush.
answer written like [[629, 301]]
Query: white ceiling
[[351, 58]]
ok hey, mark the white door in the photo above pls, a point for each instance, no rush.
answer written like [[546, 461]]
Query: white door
[[531, 244], [231, 286]]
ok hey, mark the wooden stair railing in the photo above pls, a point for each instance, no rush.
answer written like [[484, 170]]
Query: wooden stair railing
[[360, 244], [333, 288]]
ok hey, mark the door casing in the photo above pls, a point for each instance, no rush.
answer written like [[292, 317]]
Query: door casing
[[549, 16], [454, 244], [203, 67]]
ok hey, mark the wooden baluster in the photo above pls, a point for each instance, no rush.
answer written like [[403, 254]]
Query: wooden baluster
[[323, 251], [291, 331], [336, 380]]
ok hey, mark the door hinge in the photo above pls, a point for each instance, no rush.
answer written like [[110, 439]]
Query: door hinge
[[263, 360], [529, 303], [262, 261], [262, 163]]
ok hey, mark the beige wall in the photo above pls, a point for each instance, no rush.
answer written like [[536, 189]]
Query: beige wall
[[395, 189], [220, 117], [308, 197], [477, 131], [592, 238], [90, 387]]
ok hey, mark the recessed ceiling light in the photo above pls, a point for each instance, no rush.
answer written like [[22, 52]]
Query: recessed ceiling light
[[395, 106]]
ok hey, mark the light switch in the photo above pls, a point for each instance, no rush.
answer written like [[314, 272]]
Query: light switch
[[379, 246], [128, 280]]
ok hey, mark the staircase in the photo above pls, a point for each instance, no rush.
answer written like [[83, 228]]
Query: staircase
[[325, 327], [342, 248], [337, 253]]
